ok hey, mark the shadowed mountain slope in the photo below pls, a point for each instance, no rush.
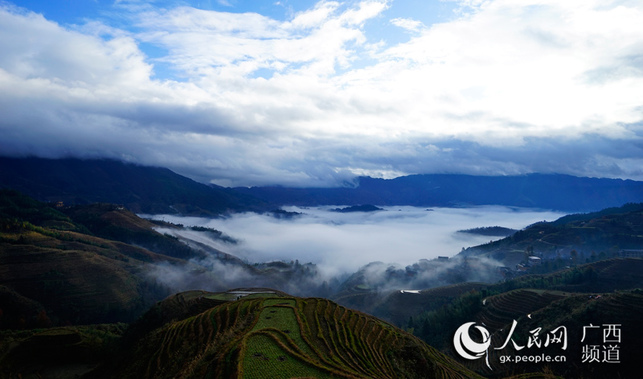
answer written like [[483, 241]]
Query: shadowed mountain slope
[[159, 190], [102, 263], [139, 188], [53, 270], [585, 318]]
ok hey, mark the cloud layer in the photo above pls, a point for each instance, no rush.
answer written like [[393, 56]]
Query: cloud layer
[[343, 242], [315, 97]]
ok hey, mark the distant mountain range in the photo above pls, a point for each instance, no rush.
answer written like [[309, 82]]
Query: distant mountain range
[[552, 191], [159, 190]]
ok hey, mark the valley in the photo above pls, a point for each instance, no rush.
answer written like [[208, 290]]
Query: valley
[[98, 290]]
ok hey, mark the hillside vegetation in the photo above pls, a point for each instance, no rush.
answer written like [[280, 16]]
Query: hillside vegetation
[[53, 270], [570, 240], [102, 263]]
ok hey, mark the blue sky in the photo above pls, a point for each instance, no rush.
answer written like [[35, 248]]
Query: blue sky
[[312, 93]]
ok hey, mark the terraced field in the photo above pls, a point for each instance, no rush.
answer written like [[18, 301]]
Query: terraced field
[[284, 337]]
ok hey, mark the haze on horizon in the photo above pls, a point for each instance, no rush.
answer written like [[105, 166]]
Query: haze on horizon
[[313, 93]]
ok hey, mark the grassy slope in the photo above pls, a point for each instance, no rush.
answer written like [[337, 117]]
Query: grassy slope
[[116, 223], [66, 272]]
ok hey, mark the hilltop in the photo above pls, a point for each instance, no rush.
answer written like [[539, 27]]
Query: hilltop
[[246, 332], [273, 335], [53, 270]]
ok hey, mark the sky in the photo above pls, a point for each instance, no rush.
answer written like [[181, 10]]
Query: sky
[[341, 243], [313, 93]]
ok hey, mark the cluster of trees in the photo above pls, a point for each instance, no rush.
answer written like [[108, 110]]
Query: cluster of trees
[[437, 327]]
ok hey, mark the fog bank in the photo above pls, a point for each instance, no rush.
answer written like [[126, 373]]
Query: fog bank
[[343, 242]]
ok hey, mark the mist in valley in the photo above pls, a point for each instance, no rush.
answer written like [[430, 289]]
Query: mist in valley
[[316, 250]]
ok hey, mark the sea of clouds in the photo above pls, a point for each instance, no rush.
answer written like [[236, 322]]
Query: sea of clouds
[[341, 243]]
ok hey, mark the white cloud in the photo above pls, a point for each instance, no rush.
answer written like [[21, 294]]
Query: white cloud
[[314, 17], [408, 24], [39, 49], [219, 44]]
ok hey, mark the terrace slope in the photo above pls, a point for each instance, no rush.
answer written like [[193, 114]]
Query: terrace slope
[[585, 318], [267, 334]]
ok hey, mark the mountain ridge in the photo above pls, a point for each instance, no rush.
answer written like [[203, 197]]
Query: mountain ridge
[[156, 190], [545, 191], [142, 189]]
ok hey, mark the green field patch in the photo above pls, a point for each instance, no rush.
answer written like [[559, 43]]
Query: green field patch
[[265, 358], [259, 295], [281, 316], [273, 302]]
